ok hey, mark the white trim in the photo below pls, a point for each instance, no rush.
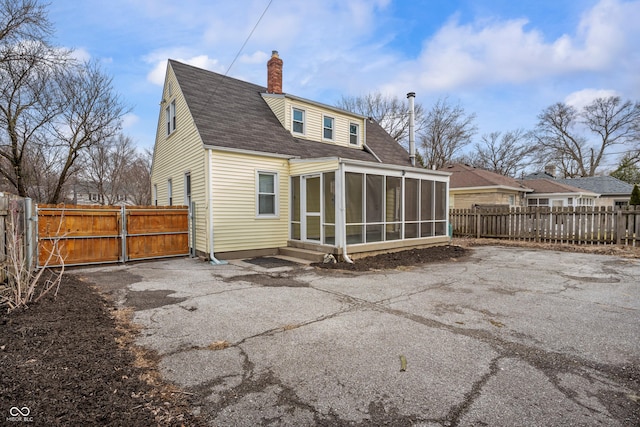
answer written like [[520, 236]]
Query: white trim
[[549, 195], [304, 120], [324, 106], [492, 187], [276, 194], [155, 194], [169, 192], [188, 197], [333, 128], [251, 152], [357, 125], [411, 172]]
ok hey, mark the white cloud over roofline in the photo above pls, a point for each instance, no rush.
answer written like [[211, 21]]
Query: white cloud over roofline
[[507, 51]]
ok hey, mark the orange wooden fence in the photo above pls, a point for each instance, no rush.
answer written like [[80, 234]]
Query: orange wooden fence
[[77, 235]]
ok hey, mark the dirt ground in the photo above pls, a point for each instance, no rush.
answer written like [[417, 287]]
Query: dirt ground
[[70, 359]]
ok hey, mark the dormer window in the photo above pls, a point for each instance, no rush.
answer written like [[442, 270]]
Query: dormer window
[[298, 121], [327, 128], [354, 133]]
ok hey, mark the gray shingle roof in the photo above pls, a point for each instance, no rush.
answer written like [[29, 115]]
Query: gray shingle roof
[[231, 113], [550, 185], [604, 185]]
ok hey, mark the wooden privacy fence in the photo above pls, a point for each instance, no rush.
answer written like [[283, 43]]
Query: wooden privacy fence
[[107, 234], [581, 225], [17, 240]]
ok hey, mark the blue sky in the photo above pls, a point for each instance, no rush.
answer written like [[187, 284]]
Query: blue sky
[[503, 60]]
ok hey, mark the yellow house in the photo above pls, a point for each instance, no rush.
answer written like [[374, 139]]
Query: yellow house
[[472, 186], [265, 171]]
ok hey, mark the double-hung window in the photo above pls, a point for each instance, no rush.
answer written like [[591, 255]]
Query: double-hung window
[[354, 133], [298, 121], [171, 117], [267, 197], [327, 128]]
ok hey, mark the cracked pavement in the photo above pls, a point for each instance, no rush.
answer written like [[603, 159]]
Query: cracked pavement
[[504, 337]]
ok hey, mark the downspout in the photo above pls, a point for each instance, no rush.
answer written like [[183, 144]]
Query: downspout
[[412, 128], [343, 212], [212, 258]]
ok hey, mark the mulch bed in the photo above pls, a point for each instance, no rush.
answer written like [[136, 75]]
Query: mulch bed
[[400, 259], [70, 362]]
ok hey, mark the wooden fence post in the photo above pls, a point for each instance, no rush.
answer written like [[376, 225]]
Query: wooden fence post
[[478, 221], [619, 227]]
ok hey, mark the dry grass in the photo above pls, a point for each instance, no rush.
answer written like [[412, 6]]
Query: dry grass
[[616, 250]]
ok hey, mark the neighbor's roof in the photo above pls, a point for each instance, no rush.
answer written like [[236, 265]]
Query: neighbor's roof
[[552, 186], [231, 113], [465, 176], [604, 185]]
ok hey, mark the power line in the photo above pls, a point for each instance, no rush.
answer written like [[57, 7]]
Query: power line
[[215, 89]]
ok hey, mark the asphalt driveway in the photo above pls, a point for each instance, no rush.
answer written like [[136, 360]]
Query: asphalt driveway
[[504, 337]]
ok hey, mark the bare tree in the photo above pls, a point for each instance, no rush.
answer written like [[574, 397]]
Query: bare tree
[[137, 179], [92, 114], [29, 101], [504, 153], [21, 20], [390, 112], [52, 108], [447, 130], [106, 167], [577, 141]]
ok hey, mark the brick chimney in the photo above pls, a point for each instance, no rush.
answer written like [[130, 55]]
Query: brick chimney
[[274, 73]]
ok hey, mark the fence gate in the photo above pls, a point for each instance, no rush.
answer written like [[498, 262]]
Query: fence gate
[[80, 235]]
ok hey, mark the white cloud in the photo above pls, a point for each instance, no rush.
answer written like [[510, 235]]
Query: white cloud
[[584, 97], [159, 59], [507, 51], [129, 120], [81, 54], [258, 57]]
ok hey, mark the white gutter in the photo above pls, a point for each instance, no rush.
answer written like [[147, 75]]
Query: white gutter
[[343, 213], [209, 175]]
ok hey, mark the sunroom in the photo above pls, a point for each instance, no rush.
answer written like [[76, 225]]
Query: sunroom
[[360, 207]]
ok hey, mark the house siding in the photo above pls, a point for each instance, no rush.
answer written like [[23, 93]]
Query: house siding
[[178, 153], [314, 123], [306, 167], [277, 105], [235, 222], [467, 200]]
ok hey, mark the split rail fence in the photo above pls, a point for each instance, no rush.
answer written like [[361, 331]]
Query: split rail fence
[[581, 225]]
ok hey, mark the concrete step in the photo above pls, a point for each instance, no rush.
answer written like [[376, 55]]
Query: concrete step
[[300, 253]]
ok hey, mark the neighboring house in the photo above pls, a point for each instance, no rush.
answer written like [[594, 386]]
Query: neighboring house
[[613, 192], [470, 186], [553, 193], [266, 170], [85, 193]]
